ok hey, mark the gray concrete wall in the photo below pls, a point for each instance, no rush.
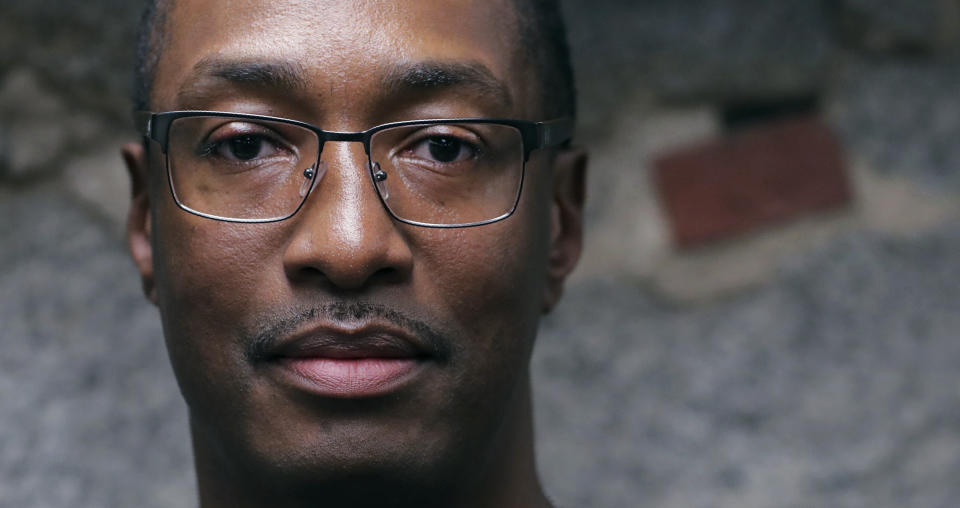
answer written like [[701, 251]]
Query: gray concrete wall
[[812, 363]]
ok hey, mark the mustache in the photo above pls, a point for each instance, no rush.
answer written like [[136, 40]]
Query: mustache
[[259, 341]]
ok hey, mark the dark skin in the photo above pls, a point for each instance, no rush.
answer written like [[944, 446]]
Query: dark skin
[[458, 431]]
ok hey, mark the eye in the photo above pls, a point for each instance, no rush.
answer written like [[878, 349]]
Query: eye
[[242, 143], [444, 149], [245, 148]]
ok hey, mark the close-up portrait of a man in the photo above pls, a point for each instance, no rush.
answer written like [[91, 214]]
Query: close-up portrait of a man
[[479, 253], [351, 216]]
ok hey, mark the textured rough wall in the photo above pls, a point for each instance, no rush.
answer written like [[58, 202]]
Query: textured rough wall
[[82, 50], [807, 363]]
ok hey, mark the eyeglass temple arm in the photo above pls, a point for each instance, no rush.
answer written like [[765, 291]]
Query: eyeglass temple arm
[[549, 134], [143, 120], [554, 133]]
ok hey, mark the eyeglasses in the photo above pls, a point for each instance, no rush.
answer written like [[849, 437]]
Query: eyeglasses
[[433, 173]]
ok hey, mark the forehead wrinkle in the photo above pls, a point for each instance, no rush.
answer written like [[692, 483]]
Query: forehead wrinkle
[[438, 75]]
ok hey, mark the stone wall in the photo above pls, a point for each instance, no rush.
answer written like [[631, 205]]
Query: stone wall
[[805, 359]]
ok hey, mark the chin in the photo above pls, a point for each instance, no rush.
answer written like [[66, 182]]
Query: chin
[[349, 467], [317, 442]]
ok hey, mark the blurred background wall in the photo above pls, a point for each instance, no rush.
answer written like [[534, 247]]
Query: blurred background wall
[[766, 314]]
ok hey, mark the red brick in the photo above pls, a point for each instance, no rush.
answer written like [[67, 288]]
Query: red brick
[[751, 179]]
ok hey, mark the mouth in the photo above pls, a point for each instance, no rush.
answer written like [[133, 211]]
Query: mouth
[[340, 362]]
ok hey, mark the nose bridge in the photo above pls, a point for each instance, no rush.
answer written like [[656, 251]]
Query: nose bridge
[[345, 152], [347, 159], [343, 231], [344, 136], [345, 193]]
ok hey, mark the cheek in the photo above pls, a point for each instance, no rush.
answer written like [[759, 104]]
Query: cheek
[[204, 266], [216, 263], [209, 275], [489, 280], [484, 270]]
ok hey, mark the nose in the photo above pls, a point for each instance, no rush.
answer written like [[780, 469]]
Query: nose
[[343, 237]]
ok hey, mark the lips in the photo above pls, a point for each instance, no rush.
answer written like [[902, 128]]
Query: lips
[[339, 362]]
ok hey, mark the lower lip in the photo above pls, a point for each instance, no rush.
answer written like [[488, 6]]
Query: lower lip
[[353, 377]]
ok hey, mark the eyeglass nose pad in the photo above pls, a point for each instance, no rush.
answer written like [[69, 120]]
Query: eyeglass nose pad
[[380, 178], [311, 175]]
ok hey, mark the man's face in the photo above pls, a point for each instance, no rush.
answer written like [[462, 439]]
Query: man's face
[[341, 340]]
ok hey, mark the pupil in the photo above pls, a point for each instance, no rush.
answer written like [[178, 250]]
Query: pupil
[[444, 149], [245, 147]]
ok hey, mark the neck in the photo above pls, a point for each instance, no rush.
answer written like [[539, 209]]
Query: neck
[[510, 479], [507, 478]]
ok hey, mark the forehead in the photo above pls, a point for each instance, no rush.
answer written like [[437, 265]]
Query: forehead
[[341, 46]]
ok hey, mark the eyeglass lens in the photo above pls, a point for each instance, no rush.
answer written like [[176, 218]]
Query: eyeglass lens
[[429, 173]]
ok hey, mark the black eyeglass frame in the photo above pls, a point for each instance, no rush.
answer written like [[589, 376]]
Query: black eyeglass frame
[[534, 136]]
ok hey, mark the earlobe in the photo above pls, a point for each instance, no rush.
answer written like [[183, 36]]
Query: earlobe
[[566, 221], [138, 218]]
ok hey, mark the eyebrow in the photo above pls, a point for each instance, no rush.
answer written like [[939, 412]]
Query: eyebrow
[[284, 75], [438, 75], [290, 76]]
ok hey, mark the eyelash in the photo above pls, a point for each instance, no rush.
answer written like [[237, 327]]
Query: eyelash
[[209, 146]]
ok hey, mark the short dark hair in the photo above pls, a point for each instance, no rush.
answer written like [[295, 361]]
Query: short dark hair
[[544, 38], [543, 35], [150, 41]]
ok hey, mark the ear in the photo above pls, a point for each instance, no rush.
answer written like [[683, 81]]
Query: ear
[[566, 221], [138, 218]]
